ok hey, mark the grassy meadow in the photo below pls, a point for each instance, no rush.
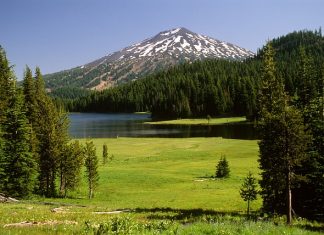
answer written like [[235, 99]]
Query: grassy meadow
[[164, 185], [199, 121]]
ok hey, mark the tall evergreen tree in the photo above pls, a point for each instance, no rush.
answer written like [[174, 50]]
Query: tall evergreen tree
[[31, 110], [29, 93], [18, 164], [310, 194], [6, 82], [51, 129], [283, 141]]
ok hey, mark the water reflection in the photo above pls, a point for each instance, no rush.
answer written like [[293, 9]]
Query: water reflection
[[93, 125]]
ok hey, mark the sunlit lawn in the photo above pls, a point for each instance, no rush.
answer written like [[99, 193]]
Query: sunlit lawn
[[156, 179]]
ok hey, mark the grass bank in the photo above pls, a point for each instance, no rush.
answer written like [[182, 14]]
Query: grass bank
[[199, 121]]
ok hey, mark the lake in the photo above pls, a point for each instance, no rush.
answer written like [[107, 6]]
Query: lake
[[98, 125]]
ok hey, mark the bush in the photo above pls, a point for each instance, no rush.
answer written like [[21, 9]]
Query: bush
[[222, 168]]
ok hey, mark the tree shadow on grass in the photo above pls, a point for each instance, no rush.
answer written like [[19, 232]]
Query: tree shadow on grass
[[188, 216], [312, 228], [167, 213]]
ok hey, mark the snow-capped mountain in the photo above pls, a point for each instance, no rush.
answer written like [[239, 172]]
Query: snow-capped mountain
[[159, 52]]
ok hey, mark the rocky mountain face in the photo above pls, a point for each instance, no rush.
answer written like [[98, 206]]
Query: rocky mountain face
[[165, 49]]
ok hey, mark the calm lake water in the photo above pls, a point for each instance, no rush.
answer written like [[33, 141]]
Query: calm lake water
[[95, 125]]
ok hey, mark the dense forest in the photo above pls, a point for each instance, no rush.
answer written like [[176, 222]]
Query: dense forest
[[209, 87]]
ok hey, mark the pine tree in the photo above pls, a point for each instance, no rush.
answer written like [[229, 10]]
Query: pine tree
[[70, 165], [18, 165], [248, 190], [91, 164], [310, 194], [32, 113], [6, 83], [283, 141], [222, 168], [7, 79], [51, 130], [29, 93]]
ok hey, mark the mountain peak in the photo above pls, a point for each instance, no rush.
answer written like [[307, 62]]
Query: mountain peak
[[161, 51], [179, 30], [181, 42]]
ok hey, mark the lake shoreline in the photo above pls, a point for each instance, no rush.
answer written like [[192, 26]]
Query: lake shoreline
[[200, 121]]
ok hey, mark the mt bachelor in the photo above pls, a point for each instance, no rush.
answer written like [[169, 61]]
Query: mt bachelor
[[166, 49]]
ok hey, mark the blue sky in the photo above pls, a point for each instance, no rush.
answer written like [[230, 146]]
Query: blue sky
[[61, 34]]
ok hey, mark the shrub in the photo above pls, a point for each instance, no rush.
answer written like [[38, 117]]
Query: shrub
[[222, 168]]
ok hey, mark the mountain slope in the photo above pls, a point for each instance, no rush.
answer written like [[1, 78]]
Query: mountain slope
[[159, 52]]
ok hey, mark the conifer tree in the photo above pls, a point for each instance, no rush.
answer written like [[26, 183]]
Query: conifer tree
[[32, 113], [91, 164], [51, 130], [248, 190], [6, 82], [18, 165], [30, 94], [222, 168], [283, 141], [70, 165], [310, 194]]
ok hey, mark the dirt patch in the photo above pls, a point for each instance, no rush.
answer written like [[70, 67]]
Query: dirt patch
[[200, 180], [35, 223], [109, 212], [59, 210]]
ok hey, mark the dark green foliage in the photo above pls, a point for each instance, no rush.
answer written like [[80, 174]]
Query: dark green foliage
[[30, 93], [50, 126], [310, 194], [104, 154], [33, 138], [69, 93], [283, 141], [222, 168], [7, 79], [202, 88], [248, 190], [91, 164], [70, 164], [6, 83], [17, 164], [32, 114]]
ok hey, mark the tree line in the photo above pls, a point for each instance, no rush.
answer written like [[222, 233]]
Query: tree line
[[35, 149]]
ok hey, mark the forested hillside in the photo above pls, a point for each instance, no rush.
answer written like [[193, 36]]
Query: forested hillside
[[212, 87]]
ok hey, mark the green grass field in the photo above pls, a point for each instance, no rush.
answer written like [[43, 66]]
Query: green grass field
[[165, 184], [200, 121]]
